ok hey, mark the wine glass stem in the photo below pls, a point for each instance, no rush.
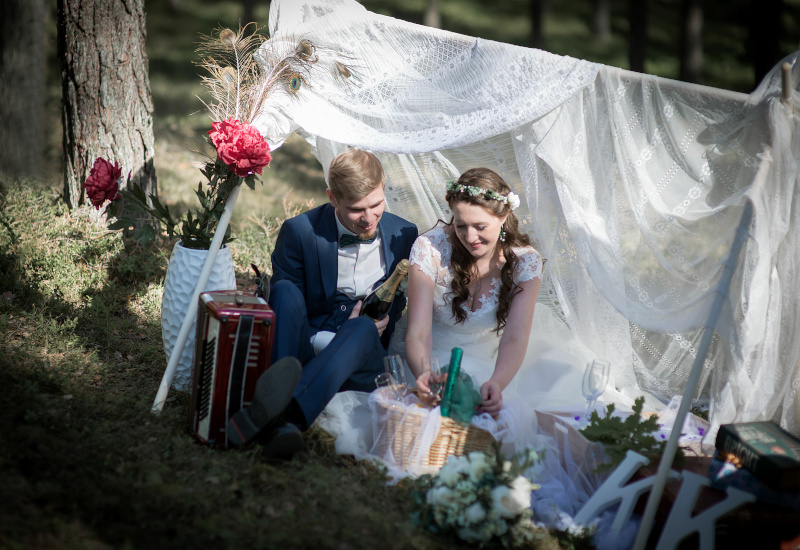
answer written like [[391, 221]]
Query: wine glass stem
[[589, 407]]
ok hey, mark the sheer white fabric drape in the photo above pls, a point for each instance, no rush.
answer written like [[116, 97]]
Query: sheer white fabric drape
[[632, 186]]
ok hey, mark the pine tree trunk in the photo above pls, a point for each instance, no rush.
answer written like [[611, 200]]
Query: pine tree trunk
[[536, 9], [766, 30], [637, 40], [601, 20], [107, 108], [22, 73], [691, 68], [248, 11], [432, 18]]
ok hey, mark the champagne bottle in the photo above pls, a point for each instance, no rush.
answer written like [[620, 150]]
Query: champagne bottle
[[452, 374], [377, 304]]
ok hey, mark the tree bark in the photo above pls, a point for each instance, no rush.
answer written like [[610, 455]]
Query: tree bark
[[601, 20], [22, 72], [107, 107], [765, 36], [536, 9], [637, 39], [249, 8], [691, 50], [432, 18]]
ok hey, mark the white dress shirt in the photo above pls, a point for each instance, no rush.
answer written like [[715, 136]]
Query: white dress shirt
[[359, 267]]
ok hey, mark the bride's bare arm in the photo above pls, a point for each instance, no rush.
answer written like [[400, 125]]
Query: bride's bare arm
[[513, 345], [420, 317]]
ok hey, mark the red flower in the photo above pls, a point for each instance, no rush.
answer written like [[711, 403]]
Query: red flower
[[240, 146], [103, 182]]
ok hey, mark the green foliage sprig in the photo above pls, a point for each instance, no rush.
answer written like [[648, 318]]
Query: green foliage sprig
[[618, 436], [196, 230]]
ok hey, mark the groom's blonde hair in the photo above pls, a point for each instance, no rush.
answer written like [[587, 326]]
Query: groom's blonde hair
[[354, 174]]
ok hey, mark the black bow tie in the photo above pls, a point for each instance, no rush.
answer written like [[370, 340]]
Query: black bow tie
[[350, 240]]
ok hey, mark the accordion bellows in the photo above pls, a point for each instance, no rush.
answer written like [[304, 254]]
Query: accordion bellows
[[232, 349]]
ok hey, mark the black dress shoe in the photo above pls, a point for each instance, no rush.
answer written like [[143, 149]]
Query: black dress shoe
[[285, 442], [273, 393]]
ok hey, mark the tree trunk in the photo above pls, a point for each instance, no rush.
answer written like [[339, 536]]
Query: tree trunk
[[637, 40], [691, 50], [601, 20], [536, 10], [432, 18], [765, 36], [249, 8], [22, 72], [107, 108]]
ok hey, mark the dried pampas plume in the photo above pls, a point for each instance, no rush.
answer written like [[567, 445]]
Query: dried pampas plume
[[245, 70], [233, 77]]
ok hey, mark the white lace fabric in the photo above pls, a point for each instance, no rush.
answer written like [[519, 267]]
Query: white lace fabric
[[432, 253], [632, 188]]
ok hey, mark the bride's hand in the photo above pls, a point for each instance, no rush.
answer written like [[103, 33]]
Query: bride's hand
[[492, 398], [424, 388]]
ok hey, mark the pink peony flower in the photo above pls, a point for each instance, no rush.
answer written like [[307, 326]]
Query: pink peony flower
[[240, 146], [103, 182]]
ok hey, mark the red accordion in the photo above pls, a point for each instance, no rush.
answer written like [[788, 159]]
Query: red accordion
[[233, 348]]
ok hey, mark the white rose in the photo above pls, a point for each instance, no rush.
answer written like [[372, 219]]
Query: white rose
[[513, 201], [440, 496], [479, 466], [521, 492], [475, 513], [504, 504], [449, 476]]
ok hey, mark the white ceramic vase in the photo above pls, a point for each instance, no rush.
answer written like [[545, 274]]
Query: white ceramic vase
[[183, 272]]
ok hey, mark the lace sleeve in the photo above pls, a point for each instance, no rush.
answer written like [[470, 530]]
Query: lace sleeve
[[529, 265], [422, 255]]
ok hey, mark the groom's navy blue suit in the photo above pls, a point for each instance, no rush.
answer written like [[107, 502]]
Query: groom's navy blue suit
[[305, 300]]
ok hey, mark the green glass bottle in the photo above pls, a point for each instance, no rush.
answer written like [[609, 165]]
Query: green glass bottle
[[452, 375], [377, 305]]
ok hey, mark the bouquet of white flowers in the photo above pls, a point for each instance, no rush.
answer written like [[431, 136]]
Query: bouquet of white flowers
[[479, 497]]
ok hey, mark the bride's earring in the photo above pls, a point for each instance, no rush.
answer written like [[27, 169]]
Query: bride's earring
[[502, 233]]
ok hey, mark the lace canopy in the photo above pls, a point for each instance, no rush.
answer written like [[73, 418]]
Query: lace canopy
[[632, 186]]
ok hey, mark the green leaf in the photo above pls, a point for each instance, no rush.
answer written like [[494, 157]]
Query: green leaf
[[618, 436], [122, 223]]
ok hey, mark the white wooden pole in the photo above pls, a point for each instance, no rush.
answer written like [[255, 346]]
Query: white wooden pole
[[694, 376], [191, 313], [786, 81]]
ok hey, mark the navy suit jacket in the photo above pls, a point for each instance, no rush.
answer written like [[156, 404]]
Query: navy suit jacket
[[306, 253]]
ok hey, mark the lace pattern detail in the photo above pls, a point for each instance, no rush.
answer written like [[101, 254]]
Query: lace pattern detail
[[432, 253]]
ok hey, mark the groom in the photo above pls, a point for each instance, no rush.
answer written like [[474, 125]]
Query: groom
[[325, 261]]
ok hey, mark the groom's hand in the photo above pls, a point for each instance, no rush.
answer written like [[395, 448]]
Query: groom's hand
[[380, 325]]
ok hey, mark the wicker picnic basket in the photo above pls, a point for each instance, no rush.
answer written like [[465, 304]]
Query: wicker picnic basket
[[404, 424]]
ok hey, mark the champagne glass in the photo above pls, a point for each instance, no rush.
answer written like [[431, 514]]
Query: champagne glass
[[595, 379], [394, 366], [386, 380], [436, 380]]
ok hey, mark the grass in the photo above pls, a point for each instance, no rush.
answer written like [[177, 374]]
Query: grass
[[85, 464]]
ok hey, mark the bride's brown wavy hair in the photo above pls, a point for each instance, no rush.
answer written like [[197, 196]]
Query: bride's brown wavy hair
[[463, 262]]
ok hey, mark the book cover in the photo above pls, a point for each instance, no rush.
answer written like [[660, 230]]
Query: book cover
[[768, 451]]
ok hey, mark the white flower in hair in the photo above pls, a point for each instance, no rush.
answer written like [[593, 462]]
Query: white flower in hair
[[513, 200]]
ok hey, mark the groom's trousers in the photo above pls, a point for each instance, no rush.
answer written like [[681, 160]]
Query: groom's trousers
[[350, 362]]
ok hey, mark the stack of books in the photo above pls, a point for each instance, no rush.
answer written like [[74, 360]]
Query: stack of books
[[765, 449]]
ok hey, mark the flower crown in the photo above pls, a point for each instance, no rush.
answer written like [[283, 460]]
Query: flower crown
[[512, 199]]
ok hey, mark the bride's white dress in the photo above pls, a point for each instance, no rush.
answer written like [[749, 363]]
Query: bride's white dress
[[549, 380]]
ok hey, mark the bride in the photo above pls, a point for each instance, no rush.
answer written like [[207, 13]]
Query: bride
[[473, 285]]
